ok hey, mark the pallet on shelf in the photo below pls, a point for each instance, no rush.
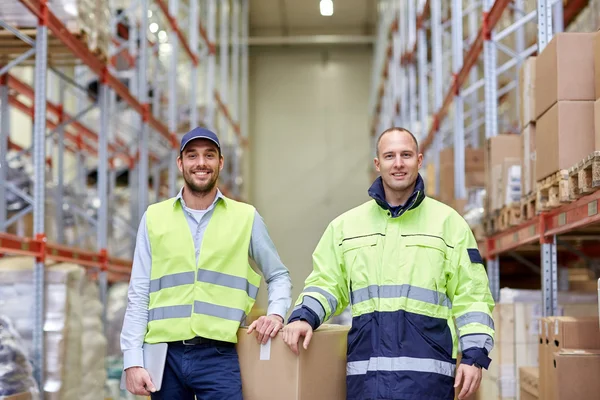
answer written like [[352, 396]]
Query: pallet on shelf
[[553, 191], [12, 47], [584, 177], [528, 204], [510, 215]]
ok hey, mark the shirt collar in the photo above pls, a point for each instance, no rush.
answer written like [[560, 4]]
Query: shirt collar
[[218, 197], [378, 194]]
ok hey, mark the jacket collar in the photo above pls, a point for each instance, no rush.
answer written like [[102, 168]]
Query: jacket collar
[[377, 193]]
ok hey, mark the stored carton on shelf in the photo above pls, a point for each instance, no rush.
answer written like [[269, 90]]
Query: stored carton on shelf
[[564, 136], [274, 372], [597, 124], [527, 91], [564, 70], [528, 173], [576, 373], [597, 63]]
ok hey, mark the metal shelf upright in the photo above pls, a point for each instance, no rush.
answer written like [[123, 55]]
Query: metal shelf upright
[[131, 136]]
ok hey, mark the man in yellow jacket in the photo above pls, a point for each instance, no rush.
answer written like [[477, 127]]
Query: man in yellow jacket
[[192, 285], [410, 269]]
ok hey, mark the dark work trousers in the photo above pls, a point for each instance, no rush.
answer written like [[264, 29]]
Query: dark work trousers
[[209, 371]]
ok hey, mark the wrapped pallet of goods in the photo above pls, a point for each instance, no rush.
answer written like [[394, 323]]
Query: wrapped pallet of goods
[[565, 96], [94, 344], [68, 325], [89, 20], [16, 372]]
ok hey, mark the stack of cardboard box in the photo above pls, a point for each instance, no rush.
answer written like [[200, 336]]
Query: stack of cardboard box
[[564, 102], [527, 103], [597, 90], [502, 171], [517, 321], [569, 358], [474, 175]]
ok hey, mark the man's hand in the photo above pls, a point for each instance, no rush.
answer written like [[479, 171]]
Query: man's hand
[[266, 327], [470, 377], [293, 332], [139, 382]]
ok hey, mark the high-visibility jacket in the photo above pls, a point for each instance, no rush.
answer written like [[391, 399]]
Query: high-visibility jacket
[[209, 298], [416, 285]]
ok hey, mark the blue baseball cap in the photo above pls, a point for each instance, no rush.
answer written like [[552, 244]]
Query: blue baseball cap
[[199, 133]]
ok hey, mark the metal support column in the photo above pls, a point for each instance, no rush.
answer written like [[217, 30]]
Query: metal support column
[[473, 77], [559, 17], [548, 251], [438, 95], [549, 277], [102, 226], [412, 67], [60, 185], [491, 82], [401, 93], [172, 88], [143, 98], [235, 98], [460, 191], [194, 45], [422, 70], [39, 186], [520, 48], [544, 23], [211, 66], [244, 87], [225, 129], [4, 137], [493, 270]]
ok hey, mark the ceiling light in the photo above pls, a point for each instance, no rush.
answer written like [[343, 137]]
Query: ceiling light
[[154, 27], [149, 13], [162, 36], [326, 7]]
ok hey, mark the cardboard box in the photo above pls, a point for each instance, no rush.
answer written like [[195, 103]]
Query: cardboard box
[[528, 383], [527, 91], [564, 70], [497, 149], [576, 374], [568, 333], [564, 136], [597, 124], [597, 64], [510, 183], [273, 372], [528, 150], [474, 174]]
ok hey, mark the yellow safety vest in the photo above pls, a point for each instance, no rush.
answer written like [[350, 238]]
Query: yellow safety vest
[[208, 299]]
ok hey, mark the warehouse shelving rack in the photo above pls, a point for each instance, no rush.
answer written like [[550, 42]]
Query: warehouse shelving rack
[[152, 145], [408, 82]]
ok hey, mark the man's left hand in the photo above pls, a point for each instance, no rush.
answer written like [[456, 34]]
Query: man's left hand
[[266, 327], [470, 377]]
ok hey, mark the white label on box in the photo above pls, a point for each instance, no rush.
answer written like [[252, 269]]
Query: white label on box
[[556, 327], [539, 327], [265, 351]]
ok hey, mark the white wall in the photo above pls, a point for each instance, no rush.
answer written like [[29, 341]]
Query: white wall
[[310, 144]]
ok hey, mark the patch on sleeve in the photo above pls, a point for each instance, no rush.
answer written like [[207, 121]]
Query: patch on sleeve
[[475, 256]]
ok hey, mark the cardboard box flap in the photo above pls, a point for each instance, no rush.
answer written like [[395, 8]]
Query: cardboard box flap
[[529, 380]]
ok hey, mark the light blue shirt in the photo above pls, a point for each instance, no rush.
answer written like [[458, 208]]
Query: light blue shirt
[[261, 250]]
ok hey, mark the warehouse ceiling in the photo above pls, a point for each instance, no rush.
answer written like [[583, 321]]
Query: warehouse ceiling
[[352, 20]]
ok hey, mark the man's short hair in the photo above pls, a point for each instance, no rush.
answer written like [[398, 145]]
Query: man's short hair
[[396, 129]]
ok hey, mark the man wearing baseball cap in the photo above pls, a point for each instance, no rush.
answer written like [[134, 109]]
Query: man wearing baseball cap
[[192, 285]]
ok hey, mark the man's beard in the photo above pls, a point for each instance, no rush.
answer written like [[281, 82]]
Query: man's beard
[[201, 189]]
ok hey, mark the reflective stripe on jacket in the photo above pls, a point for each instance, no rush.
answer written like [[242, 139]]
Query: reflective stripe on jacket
[[209, 298], [412, 281]]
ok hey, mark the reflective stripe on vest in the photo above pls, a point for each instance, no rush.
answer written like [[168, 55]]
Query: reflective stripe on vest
[[209, 297], [392, 364]]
